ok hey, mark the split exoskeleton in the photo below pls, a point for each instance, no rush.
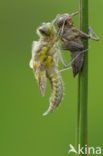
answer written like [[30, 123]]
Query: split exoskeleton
[[71, 38], [45, 55]]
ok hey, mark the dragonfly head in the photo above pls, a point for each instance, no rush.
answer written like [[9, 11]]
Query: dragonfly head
[[46, 30]]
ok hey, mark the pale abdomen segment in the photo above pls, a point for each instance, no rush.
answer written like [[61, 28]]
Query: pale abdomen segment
[[56, 90]]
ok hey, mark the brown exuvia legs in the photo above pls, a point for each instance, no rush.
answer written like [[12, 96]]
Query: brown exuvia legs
[[71, 38]]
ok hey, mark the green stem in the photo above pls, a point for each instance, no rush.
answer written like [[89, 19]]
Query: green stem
[[82, 129]]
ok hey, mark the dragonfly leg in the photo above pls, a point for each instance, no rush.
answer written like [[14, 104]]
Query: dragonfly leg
[[63, 63], [91, 33]]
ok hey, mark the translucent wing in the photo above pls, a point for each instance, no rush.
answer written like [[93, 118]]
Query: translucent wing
[[35, 47], [42, 82], [31, 63]]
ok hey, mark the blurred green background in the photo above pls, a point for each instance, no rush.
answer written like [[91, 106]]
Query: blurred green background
[[23, 129]]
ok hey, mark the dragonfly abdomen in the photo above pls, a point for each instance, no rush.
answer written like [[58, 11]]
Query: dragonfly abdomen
[[56, 90]]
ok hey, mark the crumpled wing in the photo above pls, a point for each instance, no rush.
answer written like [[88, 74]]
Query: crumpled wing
[[42, 82], [35, 47]]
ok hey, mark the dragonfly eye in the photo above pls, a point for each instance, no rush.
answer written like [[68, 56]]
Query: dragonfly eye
[[42, 31], [45, 29]]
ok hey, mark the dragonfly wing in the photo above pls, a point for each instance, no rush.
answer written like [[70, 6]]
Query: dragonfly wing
[[42, 82]]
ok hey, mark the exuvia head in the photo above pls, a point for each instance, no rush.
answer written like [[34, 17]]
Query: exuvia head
[[46, 30], [65, 19]]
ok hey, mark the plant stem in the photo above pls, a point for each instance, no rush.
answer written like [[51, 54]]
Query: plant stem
[[82, 129]]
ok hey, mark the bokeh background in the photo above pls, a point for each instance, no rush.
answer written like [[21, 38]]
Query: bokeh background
[[23, 129]]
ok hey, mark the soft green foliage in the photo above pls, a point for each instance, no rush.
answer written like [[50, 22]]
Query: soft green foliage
[[23, 129]]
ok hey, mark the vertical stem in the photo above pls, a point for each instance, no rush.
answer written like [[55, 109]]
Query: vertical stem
[[82, 130]]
